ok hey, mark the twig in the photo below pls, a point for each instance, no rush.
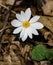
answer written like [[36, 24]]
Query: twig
[[7, 8], [7, 16], [12, 6], [5, 23], [6, 28]]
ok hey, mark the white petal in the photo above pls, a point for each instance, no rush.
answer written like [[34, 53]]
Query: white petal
[[17, 30], [35, 32], [20, 17], [37, 25], [22, 33], [28, 13], [34, 19], [23, 16], [16, 23], [29, 32], [25, 36]]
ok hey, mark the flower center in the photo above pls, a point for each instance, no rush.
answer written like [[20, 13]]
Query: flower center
[[26, 24]]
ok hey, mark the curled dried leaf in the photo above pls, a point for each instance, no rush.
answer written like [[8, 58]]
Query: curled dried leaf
[[10, 2], [48, 8], [48, 35], [45, 62]]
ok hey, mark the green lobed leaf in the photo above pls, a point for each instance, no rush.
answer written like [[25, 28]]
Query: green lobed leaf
[[38, 52], [49, 54]]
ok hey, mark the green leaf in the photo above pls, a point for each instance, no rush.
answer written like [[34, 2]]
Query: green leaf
[[38, 52], [49, 54]]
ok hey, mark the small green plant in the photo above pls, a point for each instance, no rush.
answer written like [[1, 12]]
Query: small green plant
[[49, 55], [40, 52]]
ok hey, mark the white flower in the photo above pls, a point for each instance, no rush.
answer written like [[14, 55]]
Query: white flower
[[26, 26]]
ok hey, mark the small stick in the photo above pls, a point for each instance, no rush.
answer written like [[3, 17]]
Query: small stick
[[7, 8], [7, 16]]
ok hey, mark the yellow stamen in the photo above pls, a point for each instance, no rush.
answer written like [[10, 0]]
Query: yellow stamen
[[26, 24]]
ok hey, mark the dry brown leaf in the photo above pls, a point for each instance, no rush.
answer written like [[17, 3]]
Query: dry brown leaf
[[47, 22], [36, 63], [44, 62], [48, 8], [7, 58], [10, 2], [25, 49], [50, 42], [48, 35], [0, 1]]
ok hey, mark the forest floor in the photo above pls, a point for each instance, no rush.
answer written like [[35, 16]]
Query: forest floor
[[12, 50]]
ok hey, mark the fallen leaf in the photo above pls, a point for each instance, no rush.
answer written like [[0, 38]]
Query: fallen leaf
[[0, 1], [50, 42], [48, 35], [47, 22], [10, 2], [45, 62], [48, 8]]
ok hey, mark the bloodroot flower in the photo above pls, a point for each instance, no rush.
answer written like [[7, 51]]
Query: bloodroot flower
[[26, 26]]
